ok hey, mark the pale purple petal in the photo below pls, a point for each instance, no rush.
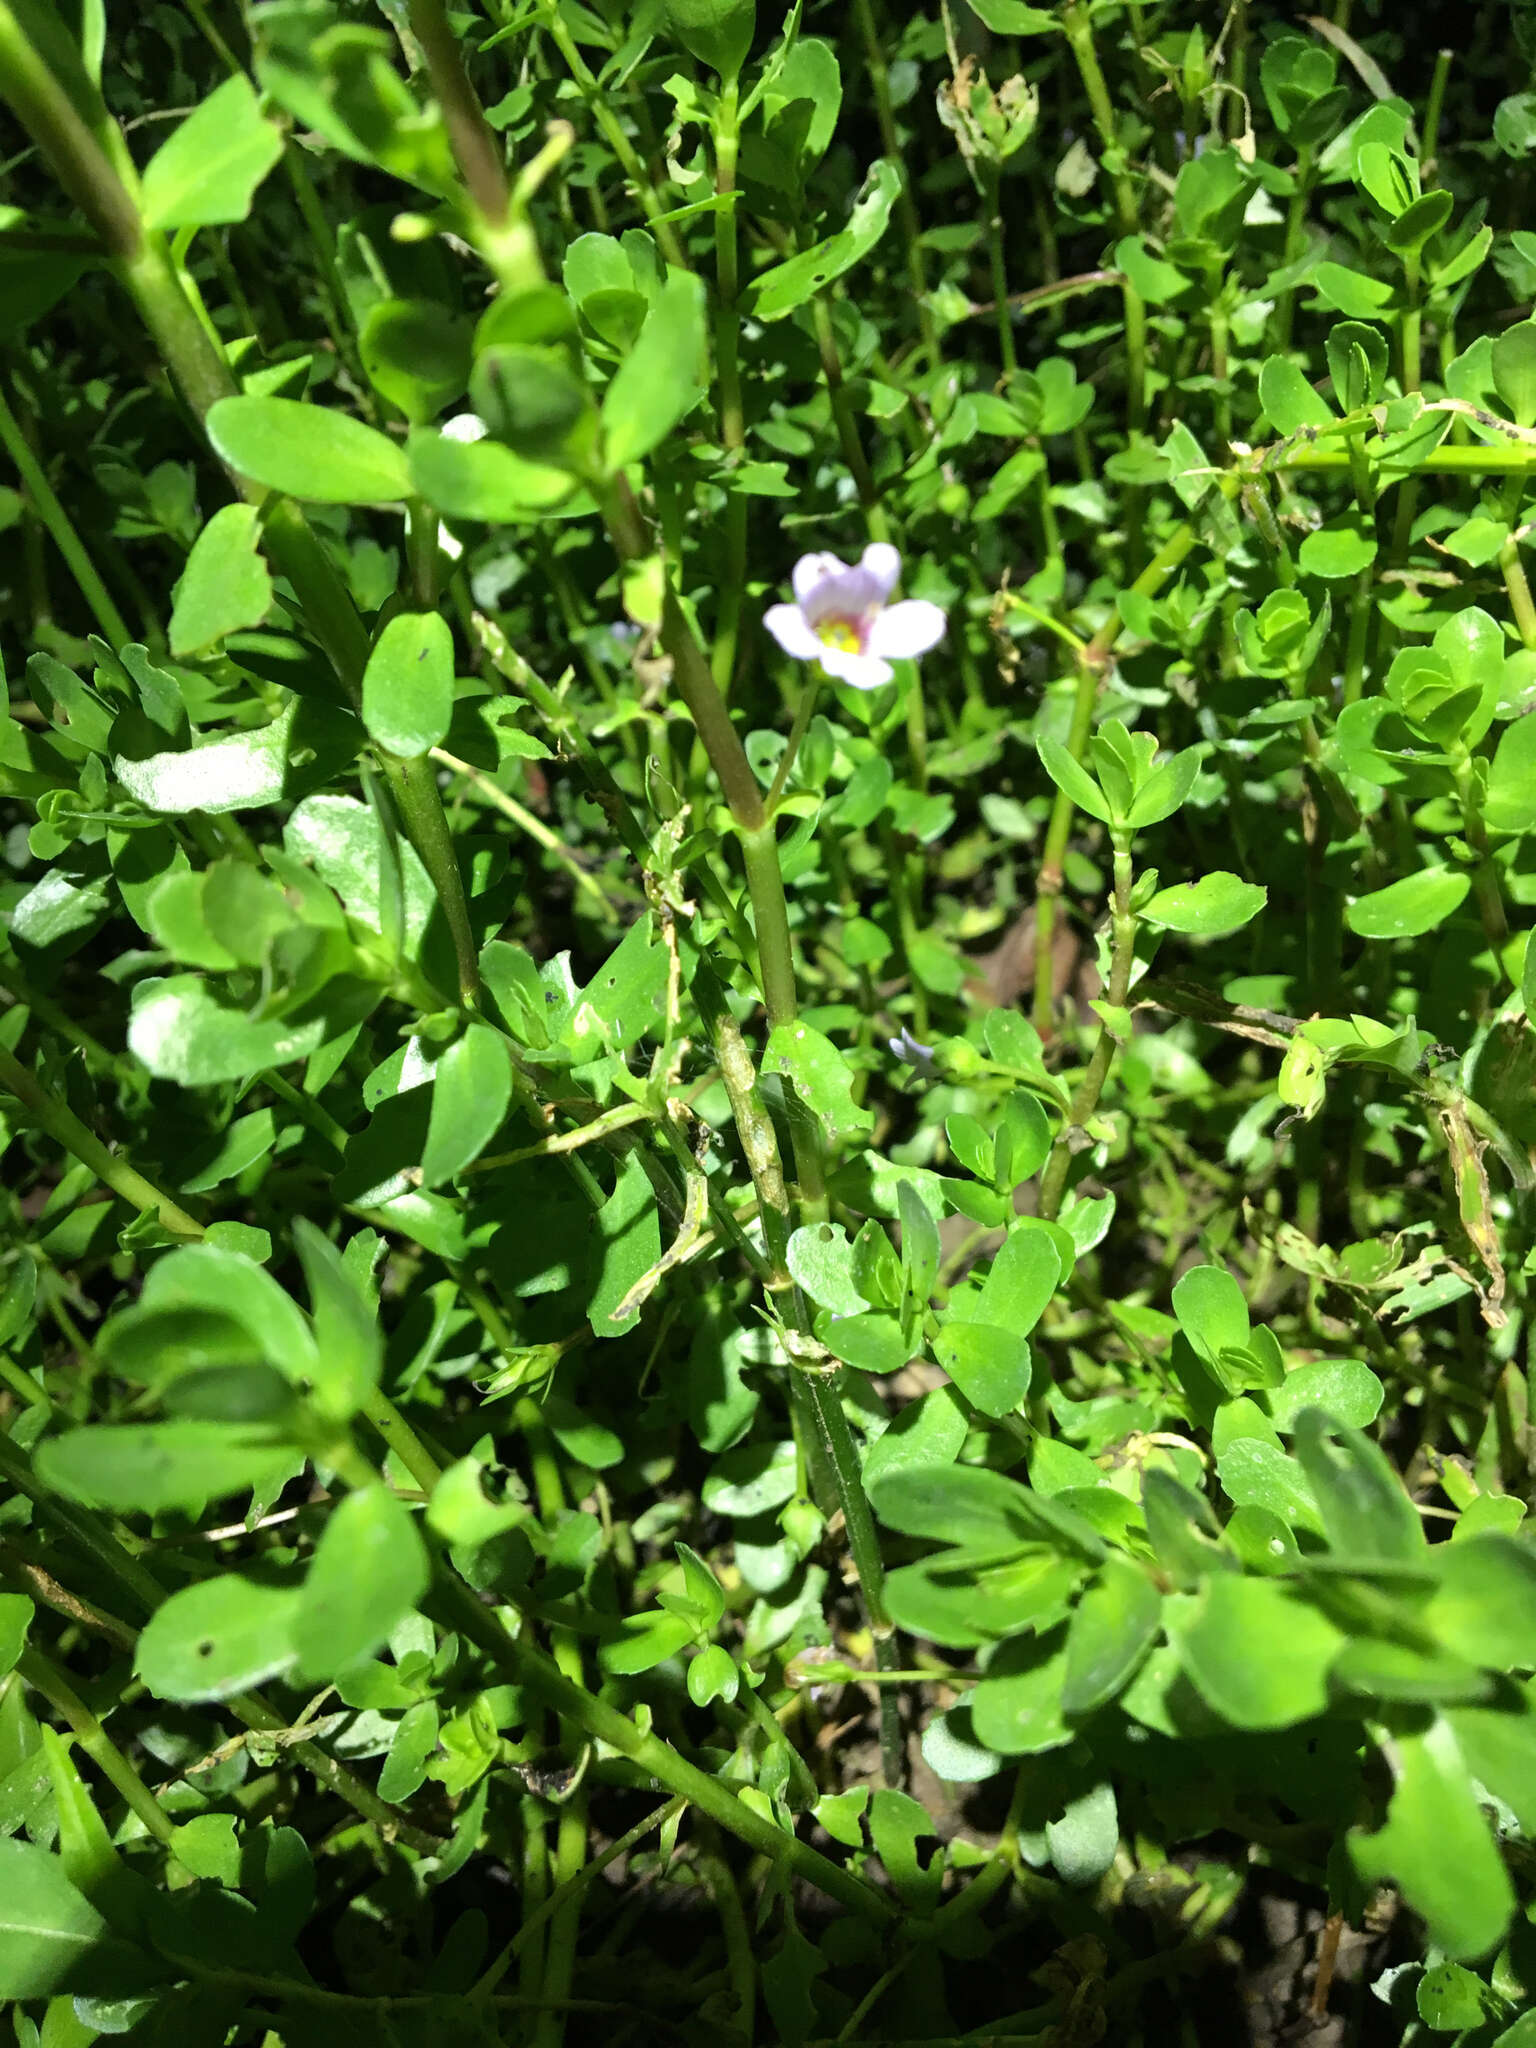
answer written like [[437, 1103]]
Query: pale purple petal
[[811, 571], [881, 561], [851, 594], [913, 1052], [787, 624], [904, 630], [859, 670]]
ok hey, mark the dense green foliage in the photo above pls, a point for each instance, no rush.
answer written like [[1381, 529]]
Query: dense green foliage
[[689, 1352]]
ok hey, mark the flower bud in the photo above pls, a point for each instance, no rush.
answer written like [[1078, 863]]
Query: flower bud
[[957, 1059]]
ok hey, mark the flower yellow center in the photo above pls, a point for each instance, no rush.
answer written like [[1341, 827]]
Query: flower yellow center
[[842, 634]]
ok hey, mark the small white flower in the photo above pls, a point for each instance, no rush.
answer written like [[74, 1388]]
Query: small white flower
[[464, 426], [913, 1052], [840, 617]]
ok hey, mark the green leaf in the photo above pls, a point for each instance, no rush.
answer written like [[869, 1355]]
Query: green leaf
[[1357, 363], [240, 771], [820, 1260], [1211, 1310], [1072, 779], [1419, 223], [1342, 547], [1289, 401], [1023, 1276], [1218, 903], [1365, 1510], [1164, 790], [662, 378], [990, 1365], [417, 354], [1436, 1848], [368, 1572], [629, 1232], [1085, 1838], [16, 1612], [752, 1479], [484, 480], [926, 1432], [217, 1638], [717, 32], [207, 171], [821, 1076], [408, 684], [181, 1030], [1498, 1745], [48, 1930], [1514, 371], [1112, 1628], [1351, 292], [225, 587], [1257, 1652], [1484, 1608], [788, 285], [309, 451], [148, 1467], [1405, 909], [1510, 805], [1347, 1389], [471, 1093], [1016, 1709], [414, 1746], [643, 1641], [348, 1348], [869, 1343], [1013, 18]]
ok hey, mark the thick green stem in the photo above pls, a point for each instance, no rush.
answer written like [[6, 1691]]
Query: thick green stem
[[45, 504], [473, 139], [44, 1676], [80, 163], [55, 1117]]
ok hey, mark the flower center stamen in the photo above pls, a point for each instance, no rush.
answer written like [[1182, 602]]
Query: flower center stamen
[[843, 634]]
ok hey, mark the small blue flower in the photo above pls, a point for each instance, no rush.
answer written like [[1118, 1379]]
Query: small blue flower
[[917, 1055]]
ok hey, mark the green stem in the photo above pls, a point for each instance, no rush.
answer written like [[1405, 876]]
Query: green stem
[[732, 580], [65, 1128], [864, 1547], [890, 141], [1000, 273], [471, 136], [1078, 27], [1090, 669], [1085, 1099], [808, 695], [529, 1667], [1295, 237], [45, 1677], [602, 112], [45, 504], [843, 418], [414, 784], [81, 164]]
